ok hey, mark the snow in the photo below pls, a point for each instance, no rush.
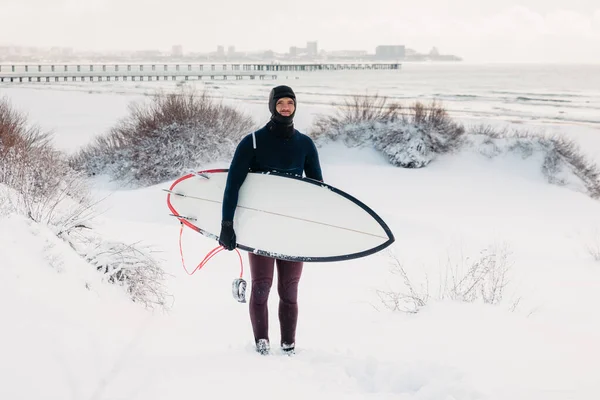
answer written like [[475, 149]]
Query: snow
[[66, 333]]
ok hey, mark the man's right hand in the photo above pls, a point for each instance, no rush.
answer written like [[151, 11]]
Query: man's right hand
[[227, 237]]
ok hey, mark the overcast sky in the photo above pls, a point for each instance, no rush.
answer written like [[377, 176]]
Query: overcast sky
[[478, 30]]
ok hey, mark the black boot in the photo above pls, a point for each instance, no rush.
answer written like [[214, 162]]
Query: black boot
[[263, 347], [288, 349]]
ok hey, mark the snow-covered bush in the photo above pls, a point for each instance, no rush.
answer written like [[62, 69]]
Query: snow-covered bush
[[469, 279], [412, 137], [132, 266], [36, 181], [409, 137], [562, 161], [161, 139], [46, 188]]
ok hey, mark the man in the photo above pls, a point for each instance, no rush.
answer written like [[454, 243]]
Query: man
[[279, 147]]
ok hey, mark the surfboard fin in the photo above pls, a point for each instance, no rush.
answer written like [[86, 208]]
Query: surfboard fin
[[173, 193], [201, 175], [238, 289], [182, 217]]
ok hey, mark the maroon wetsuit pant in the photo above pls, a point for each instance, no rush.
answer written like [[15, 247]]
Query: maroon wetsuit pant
[[288, 276]]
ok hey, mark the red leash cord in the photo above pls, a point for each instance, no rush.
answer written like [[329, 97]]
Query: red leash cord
[[210, 255]]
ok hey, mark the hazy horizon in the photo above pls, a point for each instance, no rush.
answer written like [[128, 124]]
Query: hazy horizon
[[516, 31]]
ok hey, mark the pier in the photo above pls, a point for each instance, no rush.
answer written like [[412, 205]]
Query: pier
[[173, 72]]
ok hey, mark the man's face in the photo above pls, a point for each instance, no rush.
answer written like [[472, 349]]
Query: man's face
[[285, 106]]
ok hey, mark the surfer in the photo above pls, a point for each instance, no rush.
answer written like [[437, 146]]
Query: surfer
[[279, 147]]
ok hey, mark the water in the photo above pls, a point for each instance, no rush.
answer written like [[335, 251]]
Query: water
[[518, 92], [551, 98]]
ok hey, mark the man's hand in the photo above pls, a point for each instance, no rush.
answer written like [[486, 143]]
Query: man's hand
[[227, 237]]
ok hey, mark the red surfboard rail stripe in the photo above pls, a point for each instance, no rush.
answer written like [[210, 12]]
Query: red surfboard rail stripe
[[183, 178]]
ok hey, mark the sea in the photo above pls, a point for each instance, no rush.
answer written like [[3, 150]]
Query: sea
[[542, 98]]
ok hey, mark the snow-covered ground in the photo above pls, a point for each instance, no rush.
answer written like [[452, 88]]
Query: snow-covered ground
[[67, 334]]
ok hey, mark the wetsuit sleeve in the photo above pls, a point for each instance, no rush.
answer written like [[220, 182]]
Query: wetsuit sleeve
[[238, 170], [312, 166]]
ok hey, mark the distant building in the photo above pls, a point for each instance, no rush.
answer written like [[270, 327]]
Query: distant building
[[177, 50], [293, 51], [390, 52], [55, 51], [221, 51], [231, 51], [312, 48], [148, 54], [348, 53]]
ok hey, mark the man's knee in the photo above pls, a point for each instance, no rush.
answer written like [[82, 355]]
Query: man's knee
[[288, 291], [260, 291]]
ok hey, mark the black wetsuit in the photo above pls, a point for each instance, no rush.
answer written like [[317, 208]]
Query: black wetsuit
[[270, 149]]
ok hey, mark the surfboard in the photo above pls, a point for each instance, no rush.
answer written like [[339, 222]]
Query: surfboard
[[282, 216]]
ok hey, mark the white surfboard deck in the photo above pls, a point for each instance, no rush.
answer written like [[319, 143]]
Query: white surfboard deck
[[282, 216]]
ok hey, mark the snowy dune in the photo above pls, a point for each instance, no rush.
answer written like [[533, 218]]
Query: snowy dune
[[67, 334]]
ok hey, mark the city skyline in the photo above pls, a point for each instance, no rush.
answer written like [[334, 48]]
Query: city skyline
[[311, 53], [525, 30], [310, 47]]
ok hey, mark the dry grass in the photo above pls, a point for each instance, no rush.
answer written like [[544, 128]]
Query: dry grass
[[131, 266], [483, 278], [443, 134], [39, 174], [22, 149], [16, 133], [358, 109], [409, 300]]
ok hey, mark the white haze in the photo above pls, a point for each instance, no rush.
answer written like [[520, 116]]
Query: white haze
[[522, 31]]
